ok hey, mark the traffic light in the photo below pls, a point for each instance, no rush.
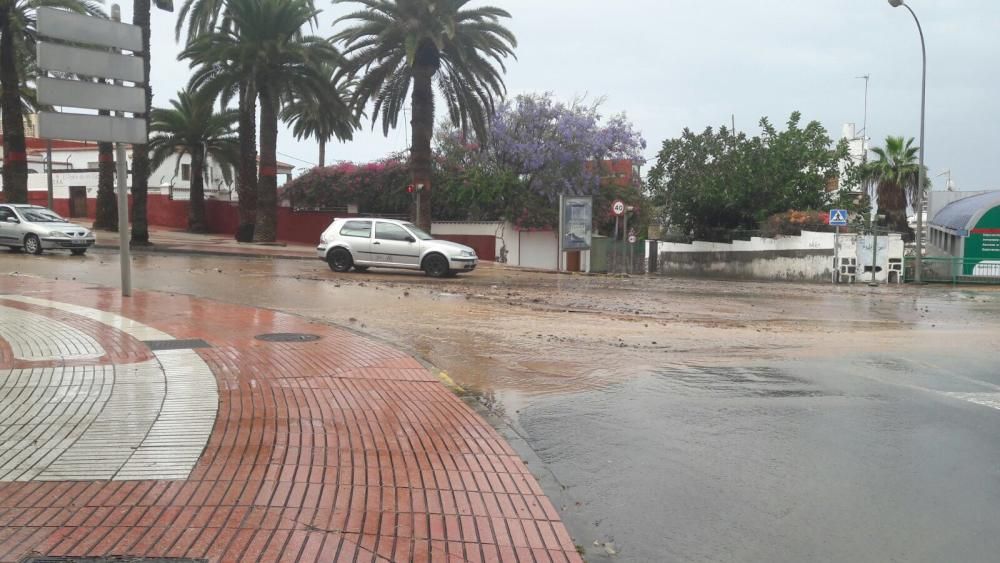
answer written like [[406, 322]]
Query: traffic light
[[410, 189]]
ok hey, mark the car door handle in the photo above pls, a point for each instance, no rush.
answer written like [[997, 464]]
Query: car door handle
[[376, 242]]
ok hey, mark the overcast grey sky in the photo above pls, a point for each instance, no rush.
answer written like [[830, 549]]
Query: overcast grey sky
[[671, 64]]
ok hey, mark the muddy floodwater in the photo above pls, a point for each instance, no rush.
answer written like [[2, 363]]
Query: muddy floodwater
[[687, 420]]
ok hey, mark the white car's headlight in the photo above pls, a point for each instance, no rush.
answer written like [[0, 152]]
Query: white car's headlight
[[468, 253], [58, 234]]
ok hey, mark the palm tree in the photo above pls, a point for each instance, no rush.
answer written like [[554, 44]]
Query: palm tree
[[264, 46], [322, 118], [192, 127], [895, 177], [18, 37], [396, 42], [140, 153], [203, 17]]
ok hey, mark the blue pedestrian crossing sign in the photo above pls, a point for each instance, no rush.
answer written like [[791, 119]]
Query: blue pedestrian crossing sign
[[838, 217]]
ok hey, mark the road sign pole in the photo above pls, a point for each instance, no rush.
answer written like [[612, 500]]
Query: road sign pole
[[559, 235], [625, 240], [126, 264]]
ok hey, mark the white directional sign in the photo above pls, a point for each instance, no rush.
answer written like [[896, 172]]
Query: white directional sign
[[88, 62], [76, 93], [618, 207], [838, 217], [88, 30], [77, 60], [63, 49], [99, 128]]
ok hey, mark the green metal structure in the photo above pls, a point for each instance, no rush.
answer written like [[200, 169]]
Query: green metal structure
[[965, 236]]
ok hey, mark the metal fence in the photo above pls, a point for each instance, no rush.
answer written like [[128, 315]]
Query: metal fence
[[954, 270], [618, 257]]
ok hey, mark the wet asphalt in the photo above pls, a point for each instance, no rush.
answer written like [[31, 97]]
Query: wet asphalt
[[676, 420]]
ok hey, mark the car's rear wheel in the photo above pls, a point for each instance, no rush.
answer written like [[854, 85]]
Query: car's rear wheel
[[340, 260], [79, 251], [361, 269], [436, 266], [32, 245]]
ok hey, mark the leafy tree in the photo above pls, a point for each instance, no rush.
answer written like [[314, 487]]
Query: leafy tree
[[718, 181], [895, 178], [398, 42], [192, 127], [376, 187], [201, 18], [18, 44], [322, 118], [265, 47], [537, 148]]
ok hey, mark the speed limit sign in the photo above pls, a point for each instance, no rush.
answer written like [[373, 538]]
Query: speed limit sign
[[618, 207]]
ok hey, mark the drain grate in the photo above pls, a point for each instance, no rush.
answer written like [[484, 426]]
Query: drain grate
[[287, 337], [112, 559], [161, 345]]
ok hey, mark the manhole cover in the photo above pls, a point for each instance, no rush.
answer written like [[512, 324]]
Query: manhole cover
[[287, 337], [164, 345]]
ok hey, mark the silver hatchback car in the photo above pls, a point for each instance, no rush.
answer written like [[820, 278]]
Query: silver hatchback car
[[36, 229], [363, 243]]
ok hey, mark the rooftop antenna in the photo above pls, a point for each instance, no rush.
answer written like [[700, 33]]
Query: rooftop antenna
[[864, 129]]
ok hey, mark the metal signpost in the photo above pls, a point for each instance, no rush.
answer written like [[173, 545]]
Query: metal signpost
[[75, 46], [838, 219], [618, 208]]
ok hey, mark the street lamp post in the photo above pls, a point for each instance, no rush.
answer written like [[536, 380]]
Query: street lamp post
[[919, 203]]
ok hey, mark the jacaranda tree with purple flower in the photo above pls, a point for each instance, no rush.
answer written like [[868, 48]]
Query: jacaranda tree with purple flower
[[550, 148]]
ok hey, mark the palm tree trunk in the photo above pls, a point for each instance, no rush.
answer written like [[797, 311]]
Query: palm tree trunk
[[266, 227], [246, 184], [892, 204], [15, 159], [107, 206], [196, 207], [140, 153], [420, 151], [322, 153]]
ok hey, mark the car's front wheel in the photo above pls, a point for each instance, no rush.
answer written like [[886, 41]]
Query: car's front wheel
[[340, 260], [32, 245], [436, 266]]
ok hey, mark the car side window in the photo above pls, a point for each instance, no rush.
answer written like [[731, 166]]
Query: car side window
[[389, 231], [359, 229], [6, 213]]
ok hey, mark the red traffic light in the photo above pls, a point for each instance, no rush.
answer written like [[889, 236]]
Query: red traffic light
[[410, 189]]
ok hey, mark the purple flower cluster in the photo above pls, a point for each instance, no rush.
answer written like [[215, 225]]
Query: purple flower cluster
[[553, 146]]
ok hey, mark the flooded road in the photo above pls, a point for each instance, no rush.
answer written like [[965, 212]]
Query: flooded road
[[684, 420]]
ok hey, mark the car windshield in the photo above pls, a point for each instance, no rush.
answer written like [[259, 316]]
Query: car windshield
[[418, 232], [41, 216]]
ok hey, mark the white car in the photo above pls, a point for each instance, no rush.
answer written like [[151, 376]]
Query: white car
[[35, 229], [387, 243]]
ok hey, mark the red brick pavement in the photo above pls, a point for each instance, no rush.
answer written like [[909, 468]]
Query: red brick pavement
[[342, 449]]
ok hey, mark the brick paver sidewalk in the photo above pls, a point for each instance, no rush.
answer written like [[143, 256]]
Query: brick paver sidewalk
[[161, 426]]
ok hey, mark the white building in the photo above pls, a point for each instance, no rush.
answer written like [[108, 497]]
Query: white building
[[858, 147]]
